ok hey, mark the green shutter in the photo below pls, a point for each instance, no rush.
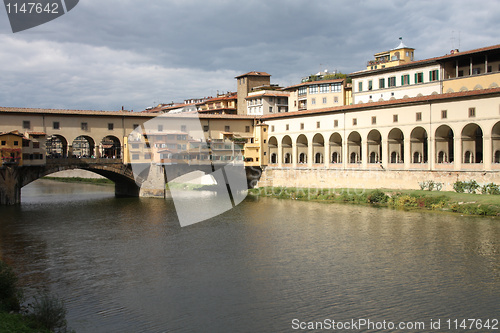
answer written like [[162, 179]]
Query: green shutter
[[416, 78], [430, 76]]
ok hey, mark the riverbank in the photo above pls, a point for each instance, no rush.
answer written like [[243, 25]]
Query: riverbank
[[96, 181], [461, 203]]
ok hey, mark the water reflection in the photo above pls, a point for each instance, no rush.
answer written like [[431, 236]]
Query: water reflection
[[127, 265]]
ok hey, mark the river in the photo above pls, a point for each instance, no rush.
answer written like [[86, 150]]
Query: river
[[269, 265]]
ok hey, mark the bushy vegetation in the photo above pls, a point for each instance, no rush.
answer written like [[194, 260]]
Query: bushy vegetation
[[472, 186], [463, 203], [46, 314], [430, 185], [10, 294]]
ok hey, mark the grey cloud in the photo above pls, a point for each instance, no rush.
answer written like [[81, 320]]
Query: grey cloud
[[104, 54]]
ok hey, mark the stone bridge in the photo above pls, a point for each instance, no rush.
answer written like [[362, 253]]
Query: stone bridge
[[151, 181]]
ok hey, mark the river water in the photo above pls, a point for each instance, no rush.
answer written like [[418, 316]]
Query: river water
[[125, 265]]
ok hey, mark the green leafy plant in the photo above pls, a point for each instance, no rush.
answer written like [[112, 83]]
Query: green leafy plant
[[10, 294], [49, 312]]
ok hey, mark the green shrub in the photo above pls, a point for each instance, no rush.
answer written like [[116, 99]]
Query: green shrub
[[377, 196], [490, 188], [49, 312], [10, 294], [459, 187], [469, 187], [430, 185]]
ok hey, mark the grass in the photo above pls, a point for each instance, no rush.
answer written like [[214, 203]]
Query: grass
[[462, 203], [12, 322]]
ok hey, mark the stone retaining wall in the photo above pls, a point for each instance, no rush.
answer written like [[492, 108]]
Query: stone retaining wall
[[369, 179]]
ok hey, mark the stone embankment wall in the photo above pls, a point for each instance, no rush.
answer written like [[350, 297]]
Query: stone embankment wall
[[368, 179]]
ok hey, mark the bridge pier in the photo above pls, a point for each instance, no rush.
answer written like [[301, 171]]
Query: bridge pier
[[126, 189], [155, 185], [10, 185]]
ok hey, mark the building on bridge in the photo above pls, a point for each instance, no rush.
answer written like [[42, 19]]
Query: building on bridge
[[22, 149]]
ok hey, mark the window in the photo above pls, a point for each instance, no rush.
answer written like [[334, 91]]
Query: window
[[336, 99], [26, 124], [227, 128], [460, 73], [26, 143], [135, 126], [476, 71], [370, 85], [84, 126], [313, 89], [111, 126], [272, 128], [391, 82], [313, 101], [301, 126], [472, 112], [405, 80], [205, 128], [418, 116], [183, 128], [360, 86], [324, 100], [374, 120], [247, 129], [444, 114], [419, 77], [489, 69], [434, 75], [16, 143], [395, 118], [36, 145], [302, 91], [160, 128], [323, 88], [287, 127], [270, 109], [354, 121], [336, 87], [4, 143], [335, 123], [55, 125], [381, 83], [318, 124], [135, 156]]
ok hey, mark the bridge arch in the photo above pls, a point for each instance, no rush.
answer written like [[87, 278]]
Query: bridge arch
[[83, 146], [354, 147], [287, 149], [395, 142], [495, 142], [472, 144], [336, 147], [302, 148], [374, 140], [273, 150], [110, 147], [56, 146], [444, 139], [419, 145], [318, 143]]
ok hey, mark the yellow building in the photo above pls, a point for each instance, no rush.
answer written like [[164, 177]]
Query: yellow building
[[400, 55], [316, 95], [19, 149], [222, 104]]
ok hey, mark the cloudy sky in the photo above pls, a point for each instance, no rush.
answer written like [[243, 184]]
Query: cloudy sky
[[105, 54]]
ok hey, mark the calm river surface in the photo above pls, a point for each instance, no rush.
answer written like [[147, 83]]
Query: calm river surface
[[125, 265]]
